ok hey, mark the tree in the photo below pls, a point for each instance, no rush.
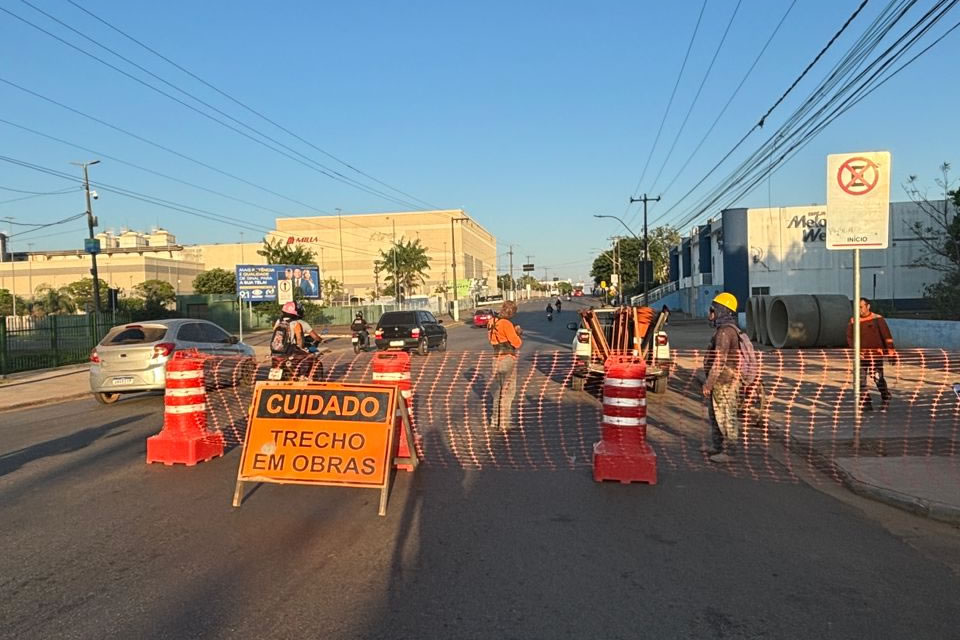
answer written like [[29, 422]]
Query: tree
[[215, 281], [50, 301], [82, 292], [406, 263], [630, 251], [565, 288], [281, 253], [156, 295], [332, 289], [505, 282], [6, 304], [939, 233]]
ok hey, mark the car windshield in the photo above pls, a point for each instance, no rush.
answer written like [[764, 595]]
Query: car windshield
[[398, 317], [134, 335]]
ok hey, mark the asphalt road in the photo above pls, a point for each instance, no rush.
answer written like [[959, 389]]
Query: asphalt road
[[98, 544]]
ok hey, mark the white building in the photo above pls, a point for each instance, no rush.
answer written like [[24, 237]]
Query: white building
[[782, 250]]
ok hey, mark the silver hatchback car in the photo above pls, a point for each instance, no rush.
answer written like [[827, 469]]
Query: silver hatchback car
[[133, 357]]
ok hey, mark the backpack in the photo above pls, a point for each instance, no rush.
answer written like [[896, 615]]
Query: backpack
[[749, 365], [280, 341]]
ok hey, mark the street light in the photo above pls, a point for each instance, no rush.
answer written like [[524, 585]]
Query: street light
[[645, 252]]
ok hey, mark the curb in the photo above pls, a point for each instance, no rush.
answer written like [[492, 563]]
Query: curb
[[931, 509], [48, 401], [918, 506]]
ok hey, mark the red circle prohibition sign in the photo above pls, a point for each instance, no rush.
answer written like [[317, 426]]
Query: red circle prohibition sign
[[858, 176]]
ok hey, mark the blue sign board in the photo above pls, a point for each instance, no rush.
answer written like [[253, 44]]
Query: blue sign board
[[258, 282], [91, 245]]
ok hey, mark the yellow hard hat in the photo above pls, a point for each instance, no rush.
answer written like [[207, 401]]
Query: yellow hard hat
[[727, 299]]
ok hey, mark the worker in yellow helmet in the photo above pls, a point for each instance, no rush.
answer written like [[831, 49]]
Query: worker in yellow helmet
[[723, 381]]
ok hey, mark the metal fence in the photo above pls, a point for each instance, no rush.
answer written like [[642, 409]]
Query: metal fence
[[28, 343]]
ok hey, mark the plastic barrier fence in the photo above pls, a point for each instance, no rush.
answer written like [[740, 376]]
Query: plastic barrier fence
[[806, 412]]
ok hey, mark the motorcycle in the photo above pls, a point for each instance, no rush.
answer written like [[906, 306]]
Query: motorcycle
[[301, 365], [360, 340], [549, 316]]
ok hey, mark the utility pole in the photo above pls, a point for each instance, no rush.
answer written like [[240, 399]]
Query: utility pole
[[646, 240], [343, 279], [453, 252], [513, 285], [91, 223]]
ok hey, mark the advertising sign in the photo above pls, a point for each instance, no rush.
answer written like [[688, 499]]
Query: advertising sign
[[258, 282], [325, 434], [858, 200]]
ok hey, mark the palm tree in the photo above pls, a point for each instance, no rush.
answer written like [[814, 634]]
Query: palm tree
[[54, 301], [406, 263]]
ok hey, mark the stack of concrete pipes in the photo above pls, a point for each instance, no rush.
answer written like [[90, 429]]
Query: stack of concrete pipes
[[798, 321]]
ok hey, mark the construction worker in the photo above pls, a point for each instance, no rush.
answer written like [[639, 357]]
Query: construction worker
[[875, 343], [505, 339], [722, 384]]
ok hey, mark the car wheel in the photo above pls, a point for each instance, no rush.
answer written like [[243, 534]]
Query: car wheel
[[443, 344], [106, 398], [248, 374], [577, 383], [423, 348]]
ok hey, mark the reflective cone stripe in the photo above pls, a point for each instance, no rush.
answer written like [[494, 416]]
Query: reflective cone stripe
[[187, 408]]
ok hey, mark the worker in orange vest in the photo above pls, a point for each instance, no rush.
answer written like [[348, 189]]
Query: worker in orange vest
[[505, 339], [875, 343]]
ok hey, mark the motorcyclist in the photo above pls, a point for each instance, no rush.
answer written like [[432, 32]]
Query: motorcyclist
[[549, 311], [359, 326], [295, 327], [559, 304]]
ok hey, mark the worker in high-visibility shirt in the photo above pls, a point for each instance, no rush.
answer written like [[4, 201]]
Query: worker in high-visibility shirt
[[875, 343], [505, 339]]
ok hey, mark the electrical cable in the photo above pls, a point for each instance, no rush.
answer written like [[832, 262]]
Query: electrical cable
[[308, 163], [670, 101], [769, 111], [245, 106]]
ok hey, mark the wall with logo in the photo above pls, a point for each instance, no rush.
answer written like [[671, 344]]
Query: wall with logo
[[788, 254]]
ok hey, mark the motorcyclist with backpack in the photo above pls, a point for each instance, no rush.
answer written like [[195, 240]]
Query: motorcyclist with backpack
[[731, 377], [291, 331]]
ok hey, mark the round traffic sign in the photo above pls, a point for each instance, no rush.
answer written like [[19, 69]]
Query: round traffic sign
[[858, 176]]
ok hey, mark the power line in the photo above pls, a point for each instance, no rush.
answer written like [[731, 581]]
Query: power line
[[762, 163], [245, 106], [769, 111], [670, 101], [733, 95], [38, 193], [308, 162]]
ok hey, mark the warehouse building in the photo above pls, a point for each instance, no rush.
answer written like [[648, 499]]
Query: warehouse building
[[346, 249], [782, 250]]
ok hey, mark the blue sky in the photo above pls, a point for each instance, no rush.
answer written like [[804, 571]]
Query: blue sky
[[531, 116]]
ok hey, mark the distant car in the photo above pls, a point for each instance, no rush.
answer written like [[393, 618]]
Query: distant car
[[481, 317], [409, 330], [578, 293], [133, 357]]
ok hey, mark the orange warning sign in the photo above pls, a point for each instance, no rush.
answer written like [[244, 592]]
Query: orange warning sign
[[320, 433]]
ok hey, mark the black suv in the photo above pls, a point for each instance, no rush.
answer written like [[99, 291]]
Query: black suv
[[405, 330]]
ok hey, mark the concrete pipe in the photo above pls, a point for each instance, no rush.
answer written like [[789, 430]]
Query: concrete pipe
[[761, 317], [835, 314], [793, 321], [751, 321]]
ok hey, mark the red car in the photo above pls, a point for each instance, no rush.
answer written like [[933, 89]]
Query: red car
[[481, 317]]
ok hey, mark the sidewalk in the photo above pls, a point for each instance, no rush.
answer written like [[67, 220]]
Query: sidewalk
[[901, 475], [34, 388]]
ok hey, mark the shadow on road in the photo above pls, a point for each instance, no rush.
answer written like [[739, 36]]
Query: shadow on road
[[10, 462]]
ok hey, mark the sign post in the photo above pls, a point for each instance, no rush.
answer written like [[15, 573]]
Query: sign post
[[858, 217], [325, 434]]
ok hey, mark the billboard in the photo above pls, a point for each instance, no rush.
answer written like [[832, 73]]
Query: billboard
[[258, 282]]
